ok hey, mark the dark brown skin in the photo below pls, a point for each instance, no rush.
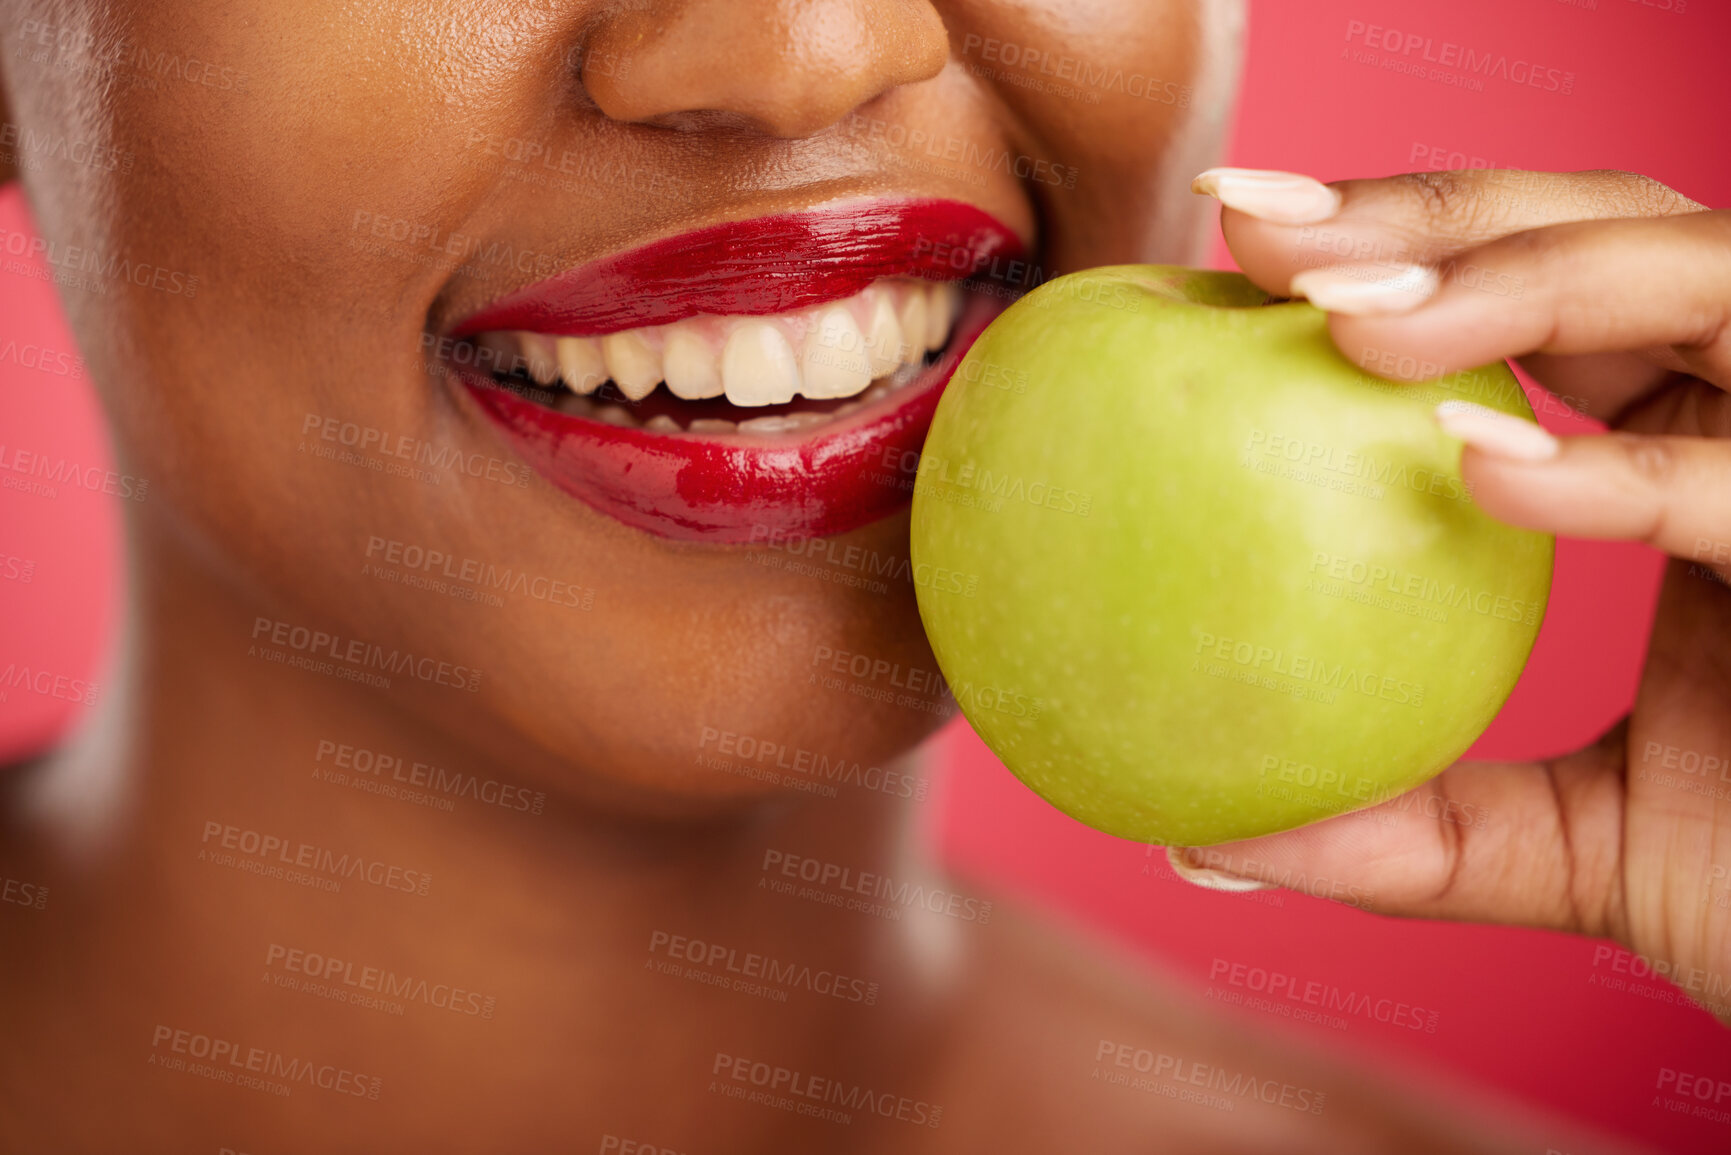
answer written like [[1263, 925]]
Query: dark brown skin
[[739, 109]]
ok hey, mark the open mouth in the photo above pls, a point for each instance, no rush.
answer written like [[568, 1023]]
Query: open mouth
[[721, 376], [764, 377]]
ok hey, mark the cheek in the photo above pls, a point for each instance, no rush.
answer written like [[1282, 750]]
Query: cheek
[[1093, 69], [1120, 102]]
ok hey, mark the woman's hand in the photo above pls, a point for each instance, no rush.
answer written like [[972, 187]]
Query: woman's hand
[[1614, 292]]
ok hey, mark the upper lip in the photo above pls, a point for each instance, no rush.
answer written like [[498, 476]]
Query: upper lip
[[763, 265]]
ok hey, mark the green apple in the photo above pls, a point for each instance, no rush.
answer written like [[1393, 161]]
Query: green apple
[[1196, 577]]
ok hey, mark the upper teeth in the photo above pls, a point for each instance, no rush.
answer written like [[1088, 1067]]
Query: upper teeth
[[834, 350]]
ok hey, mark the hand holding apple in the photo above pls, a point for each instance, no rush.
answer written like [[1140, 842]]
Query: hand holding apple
[[1614, 295]]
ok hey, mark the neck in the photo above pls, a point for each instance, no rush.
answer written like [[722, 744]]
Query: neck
[[324, 875]]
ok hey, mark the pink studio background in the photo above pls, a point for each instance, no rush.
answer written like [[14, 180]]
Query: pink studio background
[[1517, 1012]]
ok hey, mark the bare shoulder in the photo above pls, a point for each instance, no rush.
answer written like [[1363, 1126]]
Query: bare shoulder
[[1062, 1042], [63, 1069], [23, 882], [31, 920]]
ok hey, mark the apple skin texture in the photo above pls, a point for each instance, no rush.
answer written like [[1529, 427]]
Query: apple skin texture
[[1195, 577]]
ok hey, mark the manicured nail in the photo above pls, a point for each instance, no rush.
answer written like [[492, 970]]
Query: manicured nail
[[1209, 879], [1498, 434], [1285, 198], [1368, 290]]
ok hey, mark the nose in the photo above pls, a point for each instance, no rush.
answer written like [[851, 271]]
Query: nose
[[787, 68]]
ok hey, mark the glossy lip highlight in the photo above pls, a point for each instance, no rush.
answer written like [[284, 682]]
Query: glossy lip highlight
[[755, 267], [821, 480]]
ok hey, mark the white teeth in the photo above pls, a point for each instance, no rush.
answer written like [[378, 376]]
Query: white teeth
[[539, 357], [580, 363], [835, 351], [783, 424], [690, 365], [942, 304], [834, 363], [883, 336], [662, 423], [913, 326], [757, 366], [632, 362], [713, 425]]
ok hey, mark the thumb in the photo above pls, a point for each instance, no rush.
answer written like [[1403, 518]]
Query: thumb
[[1528, 843]]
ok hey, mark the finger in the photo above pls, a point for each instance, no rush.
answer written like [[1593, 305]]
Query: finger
[[1595, 287], [1585, 382], [1279, 224], [1532, 844], [1672, 493]]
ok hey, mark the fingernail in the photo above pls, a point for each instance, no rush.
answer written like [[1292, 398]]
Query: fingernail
[[1285, 198], [1366, 290], [1498, 434], [1209, 879]]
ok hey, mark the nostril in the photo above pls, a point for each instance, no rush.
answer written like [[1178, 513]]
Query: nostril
[[711, 121], [782, 70]]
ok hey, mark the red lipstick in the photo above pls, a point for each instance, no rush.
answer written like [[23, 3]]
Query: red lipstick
[[752, 267], [821, 480]]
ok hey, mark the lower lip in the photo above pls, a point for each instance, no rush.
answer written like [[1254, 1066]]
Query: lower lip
[[735, 490]]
